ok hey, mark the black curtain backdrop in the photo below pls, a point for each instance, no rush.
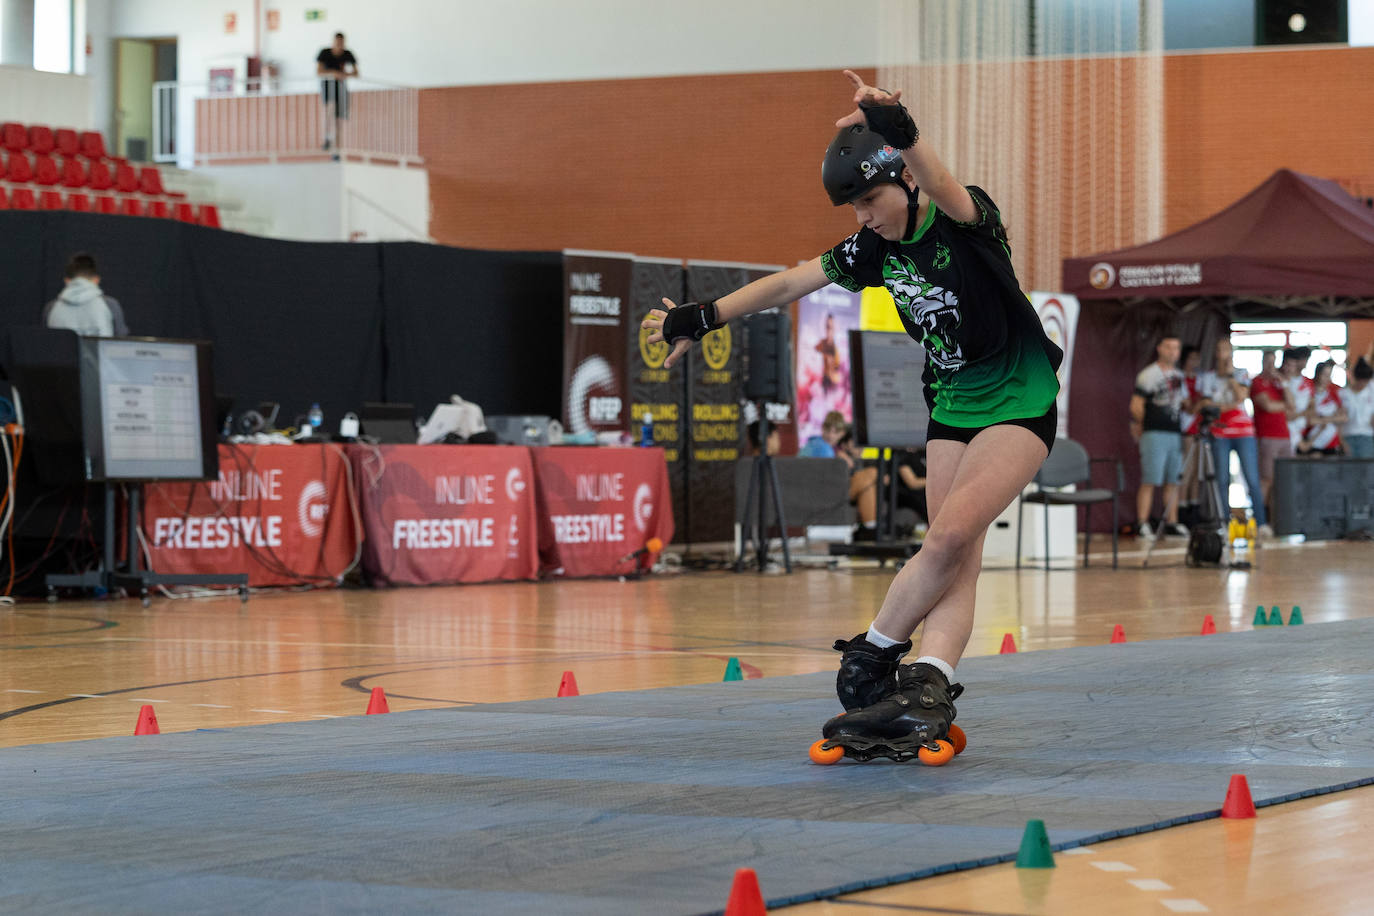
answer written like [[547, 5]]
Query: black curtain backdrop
[[302, 322], [487, 325]]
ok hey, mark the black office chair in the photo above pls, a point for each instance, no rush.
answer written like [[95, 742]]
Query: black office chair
[[1069, 463]]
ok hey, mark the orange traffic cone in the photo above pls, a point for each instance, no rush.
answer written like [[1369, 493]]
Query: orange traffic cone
[[1118, 633], [1208, 625], [147, 722], [568, 686], [1008, 646], [1238, 802], [745, 897], [377, 703]]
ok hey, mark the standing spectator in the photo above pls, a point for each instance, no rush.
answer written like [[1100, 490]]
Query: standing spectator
[[82, 306], [335, 64], [1358, 432], [1155, 425], [1325, 415], [1300, 386], [1274, 407], [1190, 362], [1226, 388]]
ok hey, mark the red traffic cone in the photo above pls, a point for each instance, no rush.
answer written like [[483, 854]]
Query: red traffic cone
[[1008, 646], [1208, 625], [377, 703], [745, 897], [1238, 802], [147, 722], [1118, 634], [568, 686]]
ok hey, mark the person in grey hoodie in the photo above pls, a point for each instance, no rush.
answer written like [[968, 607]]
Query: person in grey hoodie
[[82, 306]]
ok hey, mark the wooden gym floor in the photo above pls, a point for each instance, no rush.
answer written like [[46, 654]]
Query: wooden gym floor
[[80, 670]]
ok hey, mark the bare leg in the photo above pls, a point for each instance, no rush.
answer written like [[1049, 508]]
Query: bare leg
[[968, 486], [863, 493], [1171, 503], [1144, 501]]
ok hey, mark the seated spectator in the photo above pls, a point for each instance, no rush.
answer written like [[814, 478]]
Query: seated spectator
[[1325, 415], [911, 483], [82, 306], [823, 446], [1358, 432], [863, 487], [774, 439]]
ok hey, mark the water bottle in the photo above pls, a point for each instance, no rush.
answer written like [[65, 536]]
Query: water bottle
[[316, 419], [646, 430]]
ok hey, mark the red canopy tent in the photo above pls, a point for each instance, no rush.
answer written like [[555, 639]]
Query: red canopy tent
[[1296, 247]]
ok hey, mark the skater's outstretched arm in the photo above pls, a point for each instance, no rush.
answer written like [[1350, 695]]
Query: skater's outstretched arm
[[684, 325], [877, 107]]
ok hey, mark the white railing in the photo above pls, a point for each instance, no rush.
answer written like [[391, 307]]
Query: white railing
[[271, 120]]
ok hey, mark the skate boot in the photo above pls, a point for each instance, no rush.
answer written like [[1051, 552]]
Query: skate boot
[[915, 722], [867, 673]]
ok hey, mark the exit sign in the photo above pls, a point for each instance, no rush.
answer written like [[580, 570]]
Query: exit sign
[[314, 15]]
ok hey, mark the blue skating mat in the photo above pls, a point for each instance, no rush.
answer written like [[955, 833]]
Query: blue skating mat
[[647, 802]]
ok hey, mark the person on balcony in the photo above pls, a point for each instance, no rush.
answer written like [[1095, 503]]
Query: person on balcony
[[335, 65]]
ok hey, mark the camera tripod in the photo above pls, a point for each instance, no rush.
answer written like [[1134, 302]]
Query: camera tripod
[[1204, 538]]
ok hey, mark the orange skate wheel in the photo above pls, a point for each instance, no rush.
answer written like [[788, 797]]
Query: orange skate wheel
[[957, 738], [825, 756], [936, 758]]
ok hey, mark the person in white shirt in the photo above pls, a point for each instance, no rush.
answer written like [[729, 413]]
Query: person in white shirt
[[1227, 388], [1358, 432], [1155, 424], [1325, 415], [82, 306]]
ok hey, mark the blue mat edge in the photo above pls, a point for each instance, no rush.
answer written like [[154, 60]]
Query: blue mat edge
[[871, 884]]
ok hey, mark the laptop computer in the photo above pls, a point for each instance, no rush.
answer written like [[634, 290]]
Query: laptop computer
[[389, 424]]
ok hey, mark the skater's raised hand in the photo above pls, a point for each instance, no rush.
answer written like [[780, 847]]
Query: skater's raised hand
[[680, 326], [866, 96]]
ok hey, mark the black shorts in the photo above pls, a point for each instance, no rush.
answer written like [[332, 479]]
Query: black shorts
[[1045, 427], [335, 91]]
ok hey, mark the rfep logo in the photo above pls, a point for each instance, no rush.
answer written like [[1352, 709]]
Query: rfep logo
[[312, 509], [643, 506], [515, 484]]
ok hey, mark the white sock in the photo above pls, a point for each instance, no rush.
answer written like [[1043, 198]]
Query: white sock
[[881, 641], [873, 524], [945, 667]]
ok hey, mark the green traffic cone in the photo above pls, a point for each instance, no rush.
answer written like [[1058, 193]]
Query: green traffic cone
[[1275, 618], [1035, 847], [1296, 617], [1259, 620], [732, 671]]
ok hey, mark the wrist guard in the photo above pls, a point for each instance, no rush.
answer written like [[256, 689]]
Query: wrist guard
[[692, 320], [893, 123]]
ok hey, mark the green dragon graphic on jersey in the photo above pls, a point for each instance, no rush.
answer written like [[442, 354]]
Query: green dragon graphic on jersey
[[933, 309]]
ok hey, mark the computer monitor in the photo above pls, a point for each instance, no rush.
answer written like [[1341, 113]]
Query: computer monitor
[[889, 400], [389, 423]]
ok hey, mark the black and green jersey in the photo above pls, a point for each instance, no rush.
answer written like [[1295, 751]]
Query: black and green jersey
[[987, 357]]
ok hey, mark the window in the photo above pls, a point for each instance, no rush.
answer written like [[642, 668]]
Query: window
[[56, 27], [1327, 339]]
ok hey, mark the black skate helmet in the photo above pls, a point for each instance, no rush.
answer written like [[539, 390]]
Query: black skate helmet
[[856, 160]]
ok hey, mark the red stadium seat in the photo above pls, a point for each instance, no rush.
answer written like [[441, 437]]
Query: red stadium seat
[[4, 200], [159, 209], [65, 140], [81, 203], [150, 181], [100, 178], [23, 199], [73, 173], [126, 179], [50, 200], [2, 168], [40, 139], [13, 137], [92, 144], [131, 206], [184, 212], [106, 204], [19, 169], [45, 171], [209, 215]]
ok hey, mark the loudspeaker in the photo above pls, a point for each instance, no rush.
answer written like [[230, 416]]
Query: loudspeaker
[[1300, 22], [768, 357]]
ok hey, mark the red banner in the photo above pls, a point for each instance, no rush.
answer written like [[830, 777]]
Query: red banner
[[599, 506], [446, 513], [281, 513]]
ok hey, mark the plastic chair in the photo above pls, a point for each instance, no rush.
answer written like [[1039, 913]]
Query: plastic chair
[[184, 212], [13, 136], [1069, 464], [106, 204], [150, 181], [126, 179], [209, 216], [4, 200], [131, 206], [92, 144], [45, 171], [66, 141], [100, 178], [40, 139], [159, 209], [20, 171], [50, 200], [81, 203], [73, 173], [23, 199]]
